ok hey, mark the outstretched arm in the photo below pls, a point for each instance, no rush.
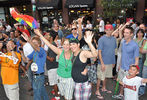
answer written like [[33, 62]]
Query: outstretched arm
[[80, 20], [52, 47], [144, 80], [25, 36]]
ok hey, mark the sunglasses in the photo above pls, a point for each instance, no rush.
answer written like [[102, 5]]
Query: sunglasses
[[74, 29]]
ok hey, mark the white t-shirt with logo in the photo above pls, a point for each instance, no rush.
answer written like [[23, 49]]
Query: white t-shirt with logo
[[135, 83]]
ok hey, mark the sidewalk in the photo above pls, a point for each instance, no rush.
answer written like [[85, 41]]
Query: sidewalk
[[25, 95]]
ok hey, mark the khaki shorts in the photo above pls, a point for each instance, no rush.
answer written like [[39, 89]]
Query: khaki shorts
[[121, 74], [104, 74]]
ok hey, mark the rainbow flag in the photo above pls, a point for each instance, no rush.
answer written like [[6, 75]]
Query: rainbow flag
[[24, 19]]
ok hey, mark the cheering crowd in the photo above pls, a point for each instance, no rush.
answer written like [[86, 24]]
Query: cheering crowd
[[74, 62]]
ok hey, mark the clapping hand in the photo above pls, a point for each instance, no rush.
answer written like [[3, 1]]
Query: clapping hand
[[88, 36]]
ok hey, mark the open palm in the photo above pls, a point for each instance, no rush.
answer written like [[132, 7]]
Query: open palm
[[88, 36]]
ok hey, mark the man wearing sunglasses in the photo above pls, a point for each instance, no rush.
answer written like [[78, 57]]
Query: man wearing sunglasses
[[76, 31]]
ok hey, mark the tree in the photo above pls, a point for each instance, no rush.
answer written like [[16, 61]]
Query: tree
[[113, 8]]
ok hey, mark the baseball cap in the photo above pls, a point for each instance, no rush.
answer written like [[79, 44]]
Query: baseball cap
[[135, 66], [109, 26]]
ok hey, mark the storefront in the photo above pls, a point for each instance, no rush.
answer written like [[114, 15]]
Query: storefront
[[23, 6], [79, 8], [47, 11]]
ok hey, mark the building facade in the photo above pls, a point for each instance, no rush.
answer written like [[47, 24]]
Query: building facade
[[63, 10]]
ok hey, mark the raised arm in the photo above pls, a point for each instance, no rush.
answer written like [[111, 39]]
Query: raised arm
[[6, 37], [28, 39], [52, 47], [88, 39], [16, 25], [80, 20], [116, 30]]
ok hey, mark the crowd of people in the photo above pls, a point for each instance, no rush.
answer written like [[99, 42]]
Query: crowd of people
[[74, 62]]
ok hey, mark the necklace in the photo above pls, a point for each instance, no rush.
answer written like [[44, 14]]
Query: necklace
[[66, 63]]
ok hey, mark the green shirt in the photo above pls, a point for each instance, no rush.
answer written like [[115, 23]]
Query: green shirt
[[145, 48], [64, 66], [140, 45]]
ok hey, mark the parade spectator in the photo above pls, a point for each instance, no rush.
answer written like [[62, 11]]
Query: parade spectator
[[106, 52], [12, 37], [143, 50], [129, 55], [46, 36], [131, 83], [65, 82], [52, 65], [22, 29], [79, 70], [142, 26], [56, 29], [76, 31], [3, 37], [101, 25], [26, 50], [8, 65], [114, 25], [17, 34], [39, 58], [139, 40], [91, 62], [88, 25], [8, 27]]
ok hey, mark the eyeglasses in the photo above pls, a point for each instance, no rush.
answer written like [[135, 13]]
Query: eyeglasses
[[74, 29]]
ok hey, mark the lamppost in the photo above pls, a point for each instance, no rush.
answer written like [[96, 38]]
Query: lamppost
[[33, 8]]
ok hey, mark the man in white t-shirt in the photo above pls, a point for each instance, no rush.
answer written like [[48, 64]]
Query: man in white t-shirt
[[131, 83], [101, 25]]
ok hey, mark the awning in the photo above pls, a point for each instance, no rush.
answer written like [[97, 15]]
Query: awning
[[10, 3], [49, 4], [79, 3]]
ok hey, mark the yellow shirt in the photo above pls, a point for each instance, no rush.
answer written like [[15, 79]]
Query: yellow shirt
[[9, 70]]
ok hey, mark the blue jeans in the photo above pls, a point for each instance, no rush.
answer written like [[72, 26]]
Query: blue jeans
[[30, 76], [144, 75], [38, 88], [140, 66]]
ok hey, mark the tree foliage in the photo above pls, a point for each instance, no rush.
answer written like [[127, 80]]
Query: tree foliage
[[112, 8]]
